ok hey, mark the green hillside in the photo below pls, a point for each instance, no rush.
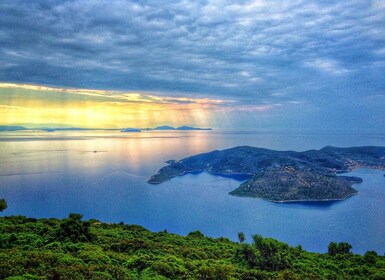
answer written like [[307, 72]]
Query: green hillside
[[73, 249]]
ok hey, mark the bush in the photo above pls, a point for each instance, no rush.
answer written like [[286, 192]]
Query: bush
[[3, 205], [342, 248], [74, 229], [370, 257], [196, 234]]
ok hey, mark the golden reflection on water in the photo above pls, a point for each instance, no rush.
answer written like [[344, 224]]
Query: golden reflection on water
[[42, 152]]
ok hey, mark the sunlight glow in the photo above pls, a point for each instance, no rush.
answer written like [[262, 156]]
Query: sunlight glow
[[100, 108]]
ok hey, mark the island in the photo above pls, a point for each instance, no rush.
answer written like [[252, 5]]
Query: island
[[282, 176], [163, 127], [11, 128], [184, 127], [45, 128], [131, 130]]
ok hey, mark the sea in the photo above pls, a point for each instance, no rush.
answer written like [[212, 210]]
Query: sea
[[103, 175]]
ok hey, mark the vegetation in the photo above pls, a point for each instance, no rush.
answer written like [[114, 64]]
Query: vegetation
[[76, 249], [241, 237], [3, 205]]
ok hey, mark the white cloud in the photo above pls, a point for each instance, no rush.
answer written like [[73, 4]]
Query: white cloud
[[378, 4], [329, 66]]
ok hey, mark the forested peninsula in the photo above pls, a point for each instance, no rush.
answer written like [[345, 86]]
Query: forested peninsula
[[282, 176]]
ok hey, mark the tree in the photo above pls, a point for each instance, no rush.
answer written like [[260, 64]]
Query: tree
[[370, 257], [196, 233], [247, 253], [258, 241], [339, 248], [344, 248], [74, 229], [3, 205], [241, 237], [273, 253], [332, 248]]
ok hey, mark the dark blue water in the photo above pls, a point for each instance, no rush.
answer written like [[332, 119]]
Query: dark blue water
[[103, 176]]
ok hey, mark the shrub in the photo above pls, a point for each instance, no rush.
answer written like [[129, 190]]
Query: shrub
[[3, 205]]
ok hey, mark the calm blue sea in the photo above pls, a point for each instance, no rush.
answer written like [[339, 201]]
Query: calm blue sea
[[103, 176]]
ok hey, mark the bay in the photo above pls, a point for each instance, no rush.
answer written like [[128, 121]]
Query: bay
[[103, 174]]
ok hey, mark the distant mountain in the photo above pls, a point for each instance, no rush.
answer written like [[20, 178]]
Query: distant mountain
[[58, 127], [164, 127], [47, 129], [184, 127], [74, 128], [11, 128], [131, 130], [51, 129], [42, 128], [282, 176], [192, 128]]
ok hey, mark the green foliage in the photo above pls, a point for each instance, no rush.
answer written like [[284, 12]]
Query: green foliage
[[74, 229], [241, 237], [76, 249], [248, 255], [3, 205], [273, 253], [196, 234], [342, 248], [216, 271], [370, 257], [379, 275]]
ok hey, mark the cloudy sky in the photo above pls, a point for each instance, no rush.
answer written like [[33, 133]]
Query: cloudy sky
[[288, 64]]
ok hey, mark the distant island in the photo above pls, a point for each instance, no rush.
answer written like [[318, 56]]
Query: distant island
[[131, 130], [184, 127], [11, 128], [49, 129], [46, 129], [282, 176], [53, 129]]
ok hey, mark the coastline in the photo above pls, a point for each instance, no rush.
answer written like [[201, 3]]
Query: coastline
[[314, 200], [295, 201]]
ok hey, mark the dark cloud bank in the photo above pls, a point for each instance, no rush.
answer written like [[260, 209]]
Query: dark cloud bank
[[321, 60]]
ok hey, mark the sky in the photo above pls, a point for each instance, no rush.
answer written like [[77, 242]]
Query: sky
[[289, 64]]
